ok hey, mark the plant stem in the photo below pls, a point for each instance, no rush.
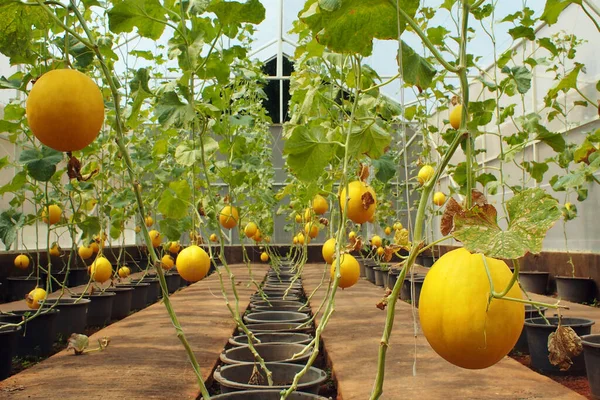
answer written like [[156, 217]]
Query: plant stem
[[136, 187]]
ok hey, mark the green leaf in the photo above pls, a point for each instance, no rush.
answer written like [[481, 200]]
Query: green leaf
[[308, 152], [437, 35], [148, 16], [181, 189], [140, 91], [16, 22], [171, 206], [235, 13], [522, 77], [486, 178], [170, 110], [569, 81], [41, 164], [352, 27], [90, 226], [15, 185], [554, 8], [385, 168], [549, 45], [187, 155], [10, 222], [417, 70], [171, 228], [531, 213], [535, 169], [371, 141], [520, 31]]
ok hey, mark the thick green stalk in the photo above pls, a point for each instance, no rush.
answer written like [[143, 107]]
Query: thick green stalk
[[414, 251]]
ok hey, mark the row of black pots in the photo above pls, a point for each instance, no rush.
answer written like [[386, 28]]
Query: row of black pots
[[62, 317], [274, 324], [574, 289]]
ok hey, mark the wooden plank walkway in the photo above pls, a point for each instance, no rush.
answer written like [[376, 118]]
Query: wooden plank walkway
[[145, 360], [352, 341]]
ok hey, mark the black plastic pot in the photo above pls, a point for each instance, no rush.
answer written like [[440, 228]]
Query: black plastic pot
[[72, 317], [282, 308], [279, 327], [277, 303], [100, 308], [361, 263], [381, 276], [57, 276], [393, 278], [405, 290], [9, 337], [370, 273], [265, 317], [265, 395], [78, 277], [122, 303], [591, 352], [173, 282], [534, 281], [300, 338], [19, 286], [38, 334], [577, 290], [139, 295], [427, 261], [270, 352], [281, 292], [537, 340], [154, 292], [530, 312], [233, 378]]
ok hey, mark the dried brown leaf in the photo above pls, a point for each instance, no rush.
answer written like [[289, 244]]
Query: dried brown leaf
[[447, 223], [363, 172], [563, 345], [324, 221]]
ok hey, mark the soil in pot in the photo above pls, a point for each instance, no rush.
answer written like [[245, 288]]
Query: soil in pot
[[577, 290], [100, 307], [282, 308], [233, 378], [534, 281], [38, 334], [285, 337], [277, 303], [9, 337], [262, 317], [591, 353], [122, 302], [537, 341], [72, 317], [265, 395], [19, 286], [270, 352], [139, 295], [530, 312], [279, 327]]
